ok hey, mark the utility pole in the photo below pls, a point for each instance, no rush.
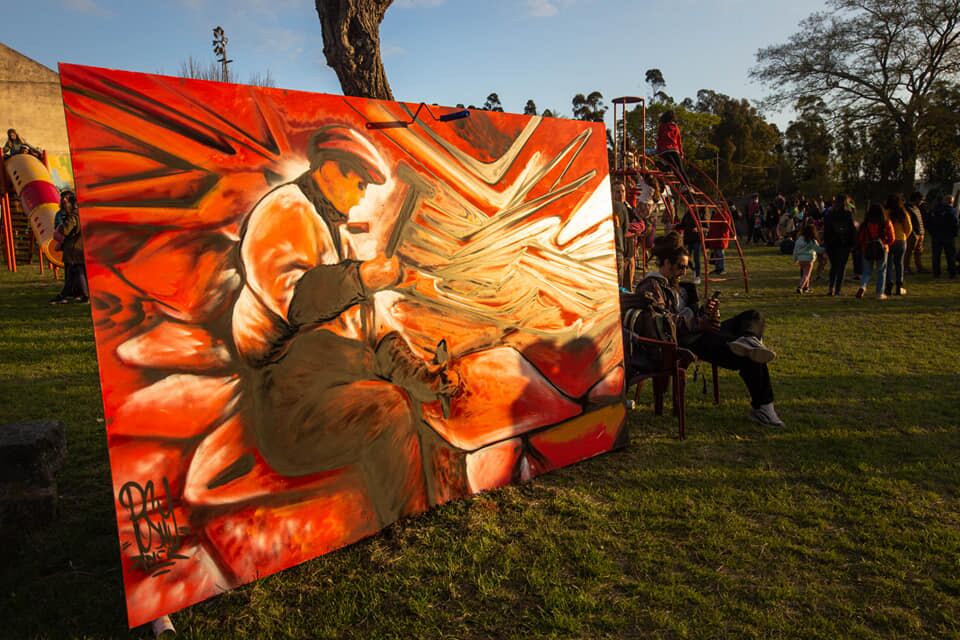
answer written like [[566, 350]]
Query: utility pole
[[220, 50]]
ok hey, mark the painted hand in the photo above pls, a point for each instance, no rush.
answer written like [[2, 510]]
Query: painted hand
[[380, 272]]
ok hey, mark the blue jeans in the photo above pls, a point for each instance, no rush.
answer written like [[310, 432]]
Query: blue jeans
[[875, 267], [895, 264]]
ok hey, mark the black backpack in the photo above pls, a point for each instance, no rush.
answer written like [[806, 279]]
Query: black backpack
[[875, 250], [642, 317], [840, 228]]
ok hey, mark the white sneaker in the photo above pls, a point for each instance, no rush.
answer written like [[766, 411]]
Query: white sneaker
[[696, 280], [752, 348], [765, 415]]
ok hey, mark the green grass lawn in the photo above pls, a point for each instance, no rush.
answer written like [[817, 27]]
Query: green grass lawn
[[845, 524]]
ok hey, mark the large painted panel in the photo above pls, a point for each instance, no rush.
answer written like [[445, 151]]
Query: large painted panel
[[307, 329]]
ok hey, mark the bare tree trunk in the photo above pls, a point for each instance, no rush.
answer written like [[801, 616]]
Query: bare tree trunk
[[908, 158], [351, 44]]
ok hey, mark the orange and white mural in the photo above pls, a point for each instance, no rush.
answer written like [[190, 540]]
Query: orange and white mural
[[307, 328]]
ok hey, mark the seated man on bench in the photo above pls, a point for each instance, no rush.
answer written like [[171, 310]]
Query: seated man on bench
[[736, 343]]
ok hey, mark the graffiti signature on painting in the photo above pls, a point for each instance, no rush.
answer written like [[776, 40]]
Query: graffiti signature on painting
[[154, 526]]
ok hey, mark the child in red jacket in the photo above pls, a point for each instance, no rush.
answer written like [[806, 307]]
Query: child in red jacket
[[670, 145], [874, 239]]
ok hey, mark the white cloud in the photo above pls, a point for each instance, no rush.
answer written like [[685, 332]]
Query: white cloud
[[281, 40], [85, 6], [542, 8], [417, 4]]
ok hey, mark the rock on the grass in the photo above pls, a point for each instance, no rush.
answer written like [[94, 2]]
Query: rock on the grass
[[30, 454]]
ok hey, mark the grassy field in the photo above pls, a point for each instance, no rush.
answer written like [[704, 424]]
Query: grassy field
[[845, 524]]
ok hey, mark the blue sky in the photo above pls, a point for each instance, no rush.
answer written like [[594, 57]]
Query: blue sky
[[443, 51]]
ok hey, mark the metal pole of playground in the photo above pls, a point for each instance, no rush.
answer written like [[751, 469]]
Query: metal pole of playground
[[6, 217]]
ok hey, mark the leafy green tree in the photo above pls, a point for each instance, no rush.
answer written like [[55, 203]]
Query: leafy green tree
[[850, 144], [696, 127], [878, 60], [589, 107], [493, 103], [882, 159], [743, 143], [654, 77], [940, 137], [808, 143]]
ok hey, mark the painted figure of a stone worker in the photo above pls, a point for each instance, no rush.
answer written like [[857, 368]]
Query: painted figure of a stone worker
[[327, 389]]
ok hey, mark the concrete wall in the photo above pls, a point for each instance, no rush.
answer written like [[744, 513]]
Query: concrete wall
[[30, 102]]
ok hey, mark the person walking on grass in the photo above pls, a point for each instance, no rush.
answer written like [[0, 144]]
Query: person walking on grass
[[915, 241], [692, 240], [943, 227], [772, 219], [805, 252], [902, 228], [874, 240], [755, 215], [839, 238]]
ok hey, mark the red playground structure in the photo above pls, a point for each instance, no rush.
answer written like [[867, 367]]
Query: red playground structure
[[701, 197]]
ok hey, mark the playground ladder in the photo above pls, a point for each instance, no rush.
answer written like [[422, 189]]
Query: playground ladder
[[683, 196]]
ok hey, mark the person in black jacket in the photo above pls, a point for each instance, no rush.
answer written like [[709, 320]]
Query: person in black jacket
[[943, 226], [839, 237], [735, 343]]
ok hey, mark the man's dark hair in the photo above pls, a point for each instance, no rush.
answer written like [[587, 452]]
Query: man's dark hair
[[668, 116], [669, 247]]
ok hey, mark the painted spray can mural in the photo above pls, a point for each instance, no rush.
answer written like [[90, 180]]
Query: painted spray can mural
[[307, 329]]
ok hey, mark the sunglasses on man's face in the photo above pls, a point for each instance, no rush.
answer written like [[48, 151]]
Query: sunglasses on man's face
[[683, 266]]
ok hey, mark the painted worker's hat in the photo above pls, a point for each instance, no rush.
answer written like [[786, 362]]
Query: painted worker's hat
[[350, 149]]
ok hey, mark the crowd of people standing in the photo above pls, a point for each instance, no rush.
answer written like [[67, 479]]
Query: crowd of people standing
[[881, 248]]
